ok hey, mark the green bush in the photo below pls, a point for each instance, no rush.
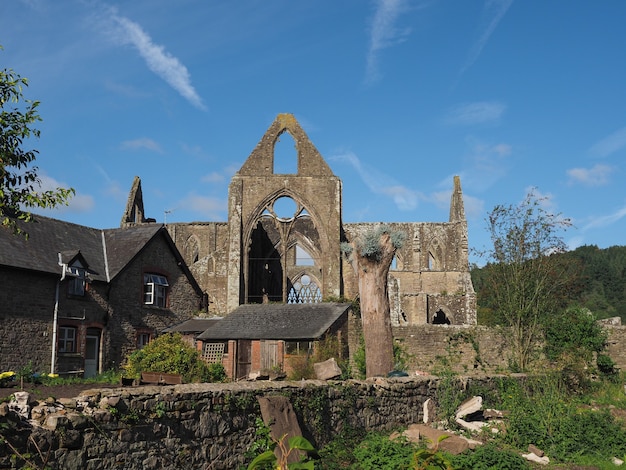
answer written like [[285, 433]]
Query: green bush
[[490, 457], [170, 354], [378, 452]]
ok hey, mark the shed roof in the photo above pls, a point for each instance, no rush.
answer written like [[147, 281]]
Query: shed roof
[[277, 321]]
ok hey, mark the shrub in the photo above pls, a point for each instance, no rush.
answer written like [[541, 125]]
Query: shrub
[[490, 457], [170, 354]]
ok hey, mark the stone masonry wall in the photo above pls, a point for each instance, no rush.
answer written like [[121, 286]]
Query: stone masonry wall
[[205, 425], [475, 349]]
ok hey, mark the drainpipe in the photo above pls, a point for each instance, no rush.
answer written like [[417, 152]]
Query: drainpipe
[[56, 315]]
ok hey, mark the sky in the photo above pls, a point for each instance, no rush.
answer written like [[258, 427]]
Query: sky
[[397, 95]]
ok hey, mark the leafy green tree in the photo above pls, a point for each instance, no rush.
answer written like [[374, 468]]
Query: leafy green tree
[[370, 255], [525, 279], [20, 186]]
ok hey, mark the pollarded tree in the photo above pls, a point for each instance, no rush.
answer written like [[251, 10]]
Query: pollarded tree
[[370, 255], [524, 279], [20, 186]]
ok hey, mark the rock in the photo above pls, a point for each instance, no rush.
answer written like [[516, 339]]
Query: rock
[[55, 421], [469, 406], [4, 409], [67, 403], [452, 443], [535, 458], [327, 370], [21, 404], [618, 462], [474, 426], [490, 413], [279, 415], [430, 412], [535, 450], [71, 439]]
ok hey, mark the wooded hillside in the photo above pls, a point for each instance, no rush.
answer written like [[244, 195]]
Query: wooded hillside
[[600, 285]]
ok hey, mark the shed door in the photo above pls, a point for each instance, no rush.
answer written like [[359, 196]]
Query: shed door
[[244, 358], [269, 354]]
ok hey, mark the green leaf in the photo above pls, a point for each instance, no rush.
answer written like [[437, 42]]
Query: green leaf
[[266, 457], [300, 443]]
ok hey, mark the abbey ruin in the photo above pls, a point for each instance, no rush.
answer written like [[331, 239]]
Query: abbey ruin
[[266, 253]]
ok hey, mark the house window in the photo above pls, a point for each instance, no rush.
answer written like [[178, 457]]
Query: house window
[[155, 290], [77, 279], [214, 352], [67, 339], [143, 339], [297, 348]]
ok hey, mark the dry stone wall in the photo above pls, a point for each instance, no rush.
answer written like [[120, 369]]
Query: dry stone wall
[[202, 425]]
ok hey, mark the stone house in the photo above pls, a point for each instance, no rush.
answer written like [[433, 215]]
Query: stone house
[[261, 337], [282, 242], [76, 299]]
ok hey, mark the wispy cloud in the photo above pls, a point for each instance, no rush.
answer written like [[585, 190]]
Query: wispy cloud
[[383, 34], [606, 220], [379, 183], [609, 144], [158, 60], [493, 12], [79, 202], [141, 143], [595, 176], [475, 113], [213, 177], [487, 163]]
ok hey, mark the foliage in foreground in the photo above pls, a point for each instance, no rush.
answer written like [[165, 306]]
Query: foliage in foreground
[[170, 354], [20, 185]]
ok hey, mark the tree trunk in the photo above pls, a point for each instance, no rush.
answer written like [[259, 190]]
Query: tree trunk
[[375, 313]]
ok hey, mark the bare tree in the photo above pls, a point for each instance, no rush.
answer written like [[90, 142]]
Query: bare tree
[[370, 255], [524, 279]]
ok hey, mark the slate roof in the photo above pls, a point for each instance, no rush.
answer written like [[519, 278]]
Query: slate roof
[[277, 321], [193, 325], [106, 252]]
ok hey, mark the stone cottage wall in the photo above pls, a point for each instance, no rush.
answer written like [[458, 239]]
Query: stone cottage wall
[[207, 425]]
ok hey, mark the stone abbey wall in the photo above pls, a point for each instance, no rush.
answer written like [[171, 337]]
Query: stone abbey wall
[[198, 426]]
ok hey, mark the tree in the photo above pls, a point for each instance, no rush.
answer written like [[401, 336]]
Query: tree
[[526, 278], [370, 255], [20, 186]]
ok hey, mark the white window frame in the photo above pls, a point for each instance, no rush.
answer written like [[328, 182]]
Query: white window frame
[[155, 290], [67, 336]]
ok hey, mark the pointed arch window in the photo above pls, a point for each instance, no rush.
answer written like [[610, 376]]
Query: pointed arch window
[[303, 258], [304, 291]]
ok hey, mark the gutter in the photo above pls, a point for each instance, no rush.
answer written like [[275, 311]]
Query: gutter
[[56, 315]]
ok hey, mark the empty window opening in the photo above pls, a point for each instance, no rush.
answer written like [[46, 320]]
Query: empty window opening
[[285, 155], [432, 262], [440, 318], [285, 208], [304, 291], [303, 258], [394, 263]]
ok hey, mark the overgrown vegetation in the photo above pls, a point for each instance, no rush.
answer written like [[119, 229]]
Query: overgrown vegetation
[[170, 354], [327, 348]]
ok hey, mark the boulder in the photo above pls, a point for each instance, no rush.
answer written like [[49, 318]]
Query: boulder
[[327, 370], [469, 406], [430, 412]]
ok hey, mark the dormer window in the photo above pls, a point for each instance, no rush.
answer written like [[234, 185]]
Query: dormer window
[[77, 275], [155, 290]]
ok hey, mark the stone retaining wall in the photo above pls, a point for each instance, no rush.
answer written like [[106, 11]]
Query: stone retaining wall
[[200, 426]]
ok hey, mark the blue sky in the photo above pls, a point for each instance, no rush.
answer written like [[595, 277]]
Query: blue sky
[[398, 96]]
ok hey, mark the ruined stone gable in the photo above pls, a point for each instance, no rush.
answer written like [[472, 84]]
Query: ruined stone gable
[[282, 240]]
